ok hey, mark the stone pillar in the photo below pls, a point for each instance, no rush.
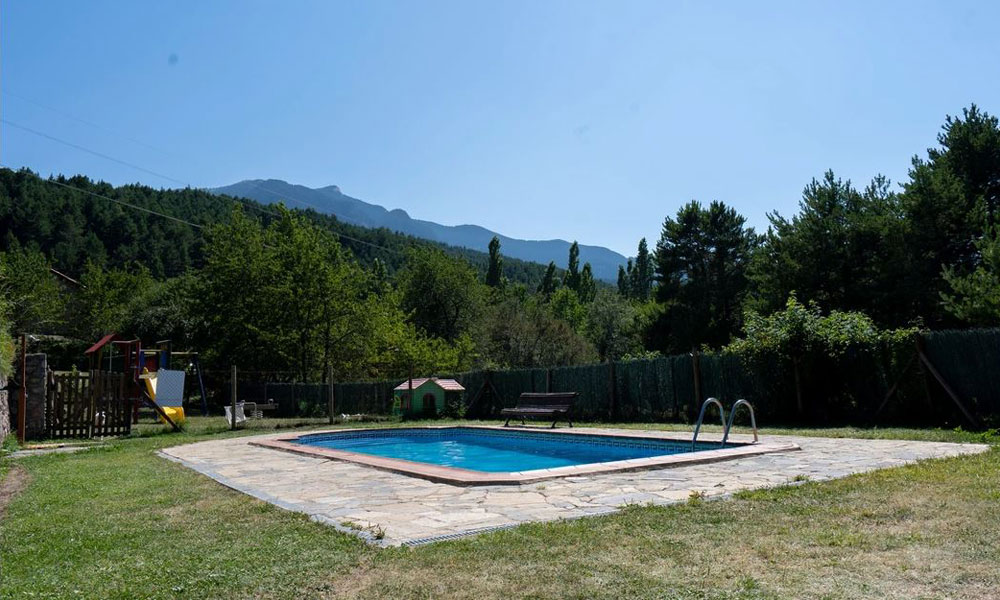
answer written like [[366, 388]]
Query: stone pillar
[[37, 384], [5, 424]]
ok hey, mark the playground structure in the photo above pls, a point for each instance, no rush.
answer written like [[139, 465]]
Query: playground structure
[[151, 380]]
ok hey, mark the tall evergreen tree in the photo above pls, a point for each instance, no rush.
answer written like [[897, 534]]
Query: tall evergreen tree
[[494, 272], [951, 199], [572, 277], [380, 277], [701, 261], [588, 287], [549, 282], [975, 298], [624, 285], [642, 274], [845, 250]]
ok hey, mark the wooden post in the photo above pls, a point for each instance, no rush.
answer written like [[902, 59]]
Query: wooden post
[[409, 382], [798, 387], [22, 400], [329, 399], [95, 388], [696, 369], [233, 399]]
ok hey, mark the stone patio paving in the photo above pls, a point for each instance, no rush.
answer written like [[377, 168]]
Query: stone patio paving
[[393, 509]]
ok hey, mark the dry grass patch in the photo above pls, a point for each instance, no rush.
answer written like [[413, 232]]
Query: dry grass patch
[[12, 481]]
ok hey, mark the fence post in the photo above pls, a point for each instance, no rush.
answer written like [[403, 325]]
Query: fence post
[[95, 385], [799, 406], [696, 372], [233, 399], [548, 381], [22, 400], [330, 399]]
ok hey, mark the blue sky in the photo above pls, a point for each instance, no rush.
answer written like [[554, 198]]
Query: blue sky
[[542, 119]]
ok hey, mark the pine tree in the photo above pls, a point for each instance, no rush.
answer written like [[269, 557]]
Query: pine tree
[[588, 287], [380, 277], [549, 284], [572, 277], [701, 262], [494, 273], [624, 286], [643, 272], [633, 278]]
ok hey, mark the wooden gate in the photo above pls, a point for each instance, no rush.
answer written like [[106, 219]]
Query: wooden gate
[[85, 405]]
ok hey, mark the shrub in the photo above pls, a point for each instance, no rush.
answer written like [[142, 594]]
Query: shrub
[[829, 354]]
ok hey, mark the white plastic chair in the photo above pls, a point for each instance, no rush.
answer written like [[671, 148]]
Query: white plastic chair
[[240, 415]]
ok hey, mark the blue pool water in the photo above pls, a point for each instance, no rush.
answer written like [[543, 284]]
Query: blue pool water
[[496, 451]]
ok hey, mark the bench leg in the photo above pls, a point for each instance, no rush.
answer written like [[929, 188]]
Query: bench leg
[[506, 423], [553, 425]]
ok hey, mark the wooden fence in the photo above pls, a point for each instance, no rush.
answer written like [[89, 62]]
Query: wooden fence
[[85, 405]]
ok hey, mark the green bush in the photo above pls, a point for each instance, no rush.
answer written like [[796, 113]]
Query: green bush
[[842, 362]]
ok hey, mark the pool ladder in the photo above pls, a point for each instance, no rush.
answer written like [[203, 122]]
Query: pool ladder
[[722, 419]]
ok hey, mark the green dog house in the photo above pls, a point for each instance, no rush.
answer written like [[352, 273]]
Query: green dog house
[[430, 395]]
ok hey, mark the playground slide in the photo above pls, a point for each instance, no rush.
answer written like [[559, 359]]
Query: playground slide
[[170, 385]]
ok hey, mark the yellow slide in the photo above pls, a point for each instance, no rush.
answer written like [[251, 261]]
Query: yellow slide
[[175, 413]]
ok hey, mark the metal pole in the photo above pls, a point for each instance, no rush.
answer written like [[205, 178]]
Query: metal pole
[[201, 387], [233, 399], [329, 399], [22, 401]]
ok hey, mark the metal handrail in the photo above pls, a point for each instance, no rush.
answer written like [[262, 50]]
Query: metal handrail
[[701, 416], [732, 417]]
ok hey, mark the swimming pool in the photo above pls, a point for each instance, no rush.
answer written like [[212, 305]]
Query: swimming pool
[[481, 455], [493, 451]]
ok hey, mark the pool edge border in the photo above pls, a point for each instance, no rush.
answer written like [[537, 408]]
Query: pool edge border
[[467, 477]]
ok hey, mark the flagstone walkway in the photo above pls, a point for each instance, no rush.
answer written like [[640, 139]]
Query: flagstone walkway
[[392, 509]]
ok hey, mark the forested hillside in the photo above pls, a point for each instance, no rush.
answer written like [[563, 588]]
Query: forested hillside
[[71, 226]]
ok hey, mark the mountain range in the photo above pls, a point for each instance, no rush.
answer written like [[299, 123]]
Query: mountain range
[[330, 200]]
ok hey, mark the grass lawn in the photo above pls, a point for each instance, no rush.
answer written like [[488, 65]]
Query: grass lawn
[[120, 522]]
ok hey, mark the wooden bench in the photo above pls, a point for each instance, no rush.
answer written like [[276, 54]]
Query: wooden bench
[[533, 406]]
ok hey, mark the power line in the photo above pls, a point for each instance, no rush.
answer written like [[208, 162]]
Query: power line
[[116, 201], [255, 206], [94, 152], [178, 219], [84, 121], [121, 162]]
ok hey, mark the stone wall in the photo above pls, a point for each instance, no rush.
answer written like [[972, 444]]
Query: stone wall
[[37, 374], [5, 424]]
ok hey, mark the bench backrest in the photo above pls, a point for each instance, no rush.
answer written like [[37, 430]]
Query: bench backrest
[[554, 400]]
